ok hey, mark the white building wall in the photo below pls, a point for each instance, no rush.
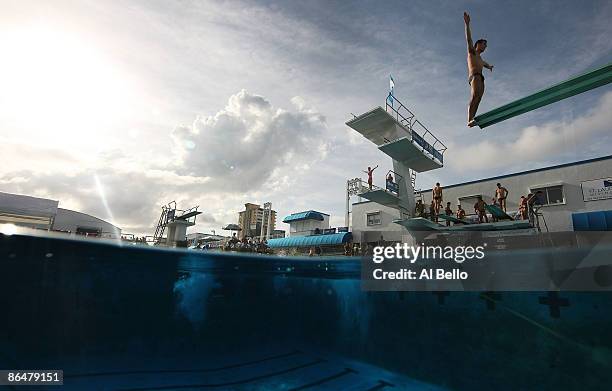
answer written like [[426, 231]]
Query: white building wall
[[305, 227], [362, 232]]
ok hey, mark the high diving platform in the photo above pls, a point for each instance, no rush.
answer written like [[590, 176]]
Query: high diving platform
[[397, 133], [423, 224], [574, 86], [413, 148]]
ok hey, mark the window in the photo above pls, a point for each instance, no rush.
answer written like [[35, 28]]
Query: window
[[551, 195], [373, 218]]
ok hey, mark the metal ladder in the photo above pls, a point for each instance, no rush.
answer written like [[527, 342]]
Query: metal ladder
[[168, 214], [418, 192]]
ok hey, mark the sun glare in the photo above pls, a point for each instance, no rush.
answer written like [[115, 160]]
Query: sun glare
[[58, 88]]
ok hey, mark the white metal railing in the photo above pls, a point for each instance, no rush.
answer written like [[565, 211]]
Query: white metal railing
[[420, 135]]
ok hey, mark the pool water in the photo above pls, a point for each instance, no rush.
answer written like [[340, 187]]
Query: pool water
[[118, 317]]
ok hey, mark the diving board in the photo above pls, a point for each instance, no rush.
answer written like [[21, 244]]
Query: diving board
[[576, 85], [498, 213]]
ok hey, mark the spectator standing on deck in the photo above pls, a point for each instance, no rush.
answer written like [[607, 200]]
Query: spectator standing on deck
[[460, 213], [523, 207], [436, 194], [532, 201], [432, 211], [480, 207], [449, 212], [493, 203], [501, 193]]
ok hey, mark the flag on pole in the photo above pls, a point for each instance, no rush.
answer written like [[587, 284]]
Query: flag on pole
[[391, 86]]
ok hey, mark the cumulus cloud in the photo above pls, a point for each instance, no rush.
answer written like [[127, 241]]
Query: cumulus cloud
[[242, 146], [245, 152], [537, 143]]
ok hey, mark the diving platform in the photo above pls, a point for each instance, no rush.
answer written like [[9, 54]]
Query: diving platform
[[411, 154], [397, 133], [574, 86], [382, 197], [423, 224], [411, 146], [188, 215]]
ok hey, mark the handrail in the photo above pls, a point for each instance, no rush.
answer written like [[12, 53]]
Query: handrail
[[409, 124]]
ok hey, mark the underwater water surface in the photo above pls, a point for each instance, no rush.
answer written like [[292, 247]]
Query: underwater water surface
[[118, 317]]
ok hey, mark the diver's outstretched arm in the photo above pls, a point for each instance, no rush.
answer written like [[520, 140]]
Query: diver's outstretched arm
[[468, 33]]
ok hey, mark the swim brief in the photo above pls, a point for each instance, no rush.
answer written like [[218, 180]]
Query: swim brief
[[473, 75]]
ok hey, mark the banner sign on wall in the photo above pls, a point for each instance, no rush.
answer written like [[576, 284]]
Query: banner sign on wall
[[599, 189]]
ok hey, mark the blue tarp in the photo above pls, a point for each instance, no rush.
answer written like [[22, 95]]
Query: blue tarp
[[308, 241]]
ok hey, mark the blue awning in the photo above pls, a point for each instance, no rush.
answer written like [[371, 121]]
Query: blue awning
[[593, 221], [308, 241], [308, 215]]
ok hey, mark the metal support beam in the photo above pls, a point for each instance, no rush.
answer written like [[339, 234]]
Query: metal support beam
[[576, 85]]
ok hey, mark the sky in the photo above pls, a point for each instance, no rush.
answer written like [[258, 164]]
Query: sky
[[116, 108]]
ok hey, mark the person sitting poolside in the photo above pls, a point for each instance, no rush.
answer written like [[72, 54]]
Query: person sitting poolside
[[449, 212], [436, 194], [419, 209], [370, 172], [523, 208], [460, 213], [391, 185]]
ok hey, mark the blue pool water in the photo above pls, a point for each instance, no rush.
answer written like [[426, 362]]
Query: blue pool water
[[132, 318]]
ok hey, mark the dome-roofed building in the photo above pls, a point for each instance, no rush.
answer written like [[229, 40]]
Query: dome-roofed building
[[41, 213]]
